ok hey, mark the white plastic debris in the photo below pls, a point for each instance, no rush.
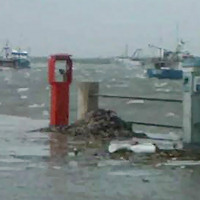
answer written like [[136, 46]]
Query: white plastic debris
[[137, 148]]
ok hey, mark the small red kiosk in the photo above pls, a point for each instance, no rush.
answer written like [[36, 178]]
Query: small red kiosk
[[59, 114]]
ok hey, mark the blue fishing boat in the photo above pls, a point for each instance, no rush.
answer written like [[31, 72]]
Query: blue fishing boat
[[165, 73], [169, 64]]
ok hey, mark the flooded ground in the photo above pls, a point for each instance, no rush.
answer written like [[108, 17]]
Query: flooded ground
[[36, 165]]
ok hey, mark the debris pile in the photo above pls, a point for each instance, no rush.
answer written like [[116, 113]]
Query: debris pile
[[101, 124], [105, 125]]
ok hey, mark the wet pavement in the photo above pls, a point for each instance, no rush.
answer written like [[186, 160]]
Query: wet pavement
[[45, 166]]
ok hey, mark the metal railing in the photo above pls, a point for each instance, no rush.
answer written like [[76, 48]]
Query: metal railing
[[137, 98], [89, 97]]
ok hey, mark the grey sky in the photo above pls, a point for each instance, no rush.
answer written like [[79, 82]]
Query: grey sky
[[98, 27]]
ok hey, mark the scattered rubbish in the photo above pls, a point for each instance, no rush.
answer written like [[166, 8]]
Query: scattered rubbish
[[137, 148], [102, 126]]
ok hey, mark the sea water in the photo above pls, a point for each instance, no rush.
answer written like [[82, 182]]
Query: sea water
[[27, 92]]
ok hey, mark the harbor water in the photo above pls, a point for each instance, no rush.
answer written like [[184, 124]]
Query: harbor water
[[26, 92], [36, 165]]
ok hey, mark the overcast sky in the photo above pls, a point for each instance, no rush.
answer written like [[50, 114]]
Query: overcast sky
[[86, 28]]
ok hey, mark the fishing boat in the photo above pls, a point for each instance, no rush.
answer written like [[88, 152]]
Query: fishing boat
[[14, 58], [127, 60], [169, 64]]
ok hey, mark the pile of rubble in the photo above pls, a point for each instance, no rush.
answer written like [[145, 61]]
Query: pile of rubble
[[101, 124]]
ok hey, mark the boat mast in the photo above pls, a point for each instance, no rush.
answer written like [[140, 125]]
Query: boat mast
[[177, 33], [6, 49], [126, 51]]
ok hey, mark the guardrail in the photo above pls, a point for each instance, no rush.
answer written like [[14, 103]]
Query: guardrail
[[137, 98], [88, 98]]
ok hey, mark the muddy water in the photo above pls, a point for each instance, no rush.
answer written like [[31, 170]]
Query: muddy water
[[48, 166]]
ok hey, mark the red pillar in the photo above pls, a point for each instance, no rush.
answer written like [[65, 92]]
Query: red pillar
[[59, 114]]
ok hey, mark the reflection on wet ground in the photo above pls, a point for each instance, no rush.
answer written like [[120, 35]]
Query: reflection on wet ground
[[58, 146]]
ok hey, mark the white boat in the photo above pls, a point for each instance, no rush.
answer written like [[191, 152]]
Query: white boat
[[14, 58], [134, 60]]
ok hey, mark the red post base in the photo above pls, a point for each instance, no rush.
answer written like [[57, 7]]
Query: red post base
[[59, 104]]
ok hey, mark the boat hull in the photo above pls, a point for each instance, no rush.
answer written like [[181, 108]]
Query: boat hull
[[165, 73], [15, 63]]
